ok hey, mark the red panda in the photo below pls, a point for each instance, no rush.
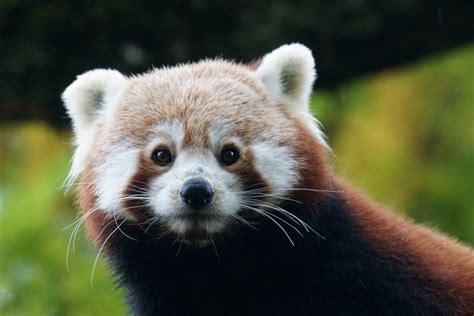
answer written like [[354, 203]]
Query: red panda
[[208, 187]]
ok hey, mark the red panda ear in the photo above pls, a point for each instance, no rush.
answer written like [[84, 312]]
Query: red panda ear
[[88, 99], [288, 73], [90, 95]]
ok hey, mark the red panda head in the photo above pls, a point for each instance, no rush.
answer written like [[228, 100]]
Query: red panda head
[[196, 148]]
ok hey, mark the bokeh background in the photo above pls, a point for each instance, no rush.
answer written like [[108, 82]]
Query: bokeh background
[[395, 94]]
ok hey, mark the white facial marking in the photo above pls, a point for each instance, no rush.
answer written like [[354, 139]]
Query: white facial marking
[[276, 164], [113, 176], [218, 132], [166, 201], [172, 131]]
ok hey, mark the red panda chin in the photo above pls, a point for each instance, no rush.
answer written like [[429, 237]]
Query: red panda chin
[[197, 225]]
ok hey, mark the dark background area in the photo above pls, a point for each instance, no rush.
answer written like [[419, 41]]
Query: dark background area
[[44, 45]]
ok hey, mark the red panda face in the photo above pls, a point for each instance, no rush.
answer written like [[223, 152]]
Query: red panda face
[[193, 149]]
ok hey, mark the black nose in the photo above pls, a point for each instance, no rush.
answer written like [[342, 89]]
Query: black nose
[[197, 193]]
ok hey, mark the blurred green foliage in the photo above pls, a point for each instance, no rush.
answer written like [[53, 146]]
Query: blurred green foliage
[[404, 135], [407, 137], [33, 275]]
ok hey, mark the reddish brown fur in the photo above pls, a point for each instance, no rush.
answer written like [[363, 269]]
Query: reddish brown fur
[[252, 178], [315, 174], [97, 222], [138, 185], [447, 265], [441, 262]]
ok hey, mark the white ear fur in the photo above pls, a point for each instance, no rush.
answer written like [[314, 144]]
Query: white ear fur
[[288, 73], [90, 94], [89, 97]]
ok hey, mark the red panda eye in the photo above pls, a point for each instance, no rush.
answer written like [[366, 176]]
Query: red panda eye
[[229, 155], [162, 157]]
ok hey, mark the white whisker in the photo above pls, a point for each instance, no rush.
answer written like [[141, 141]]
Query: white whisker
[[242, 220], [303, 223], [118, 226], [284, 221], [275, 196], [307, 189], [72, 237], [278, 209], [273, 220], [179, 248], [214, 245], [100, 250]]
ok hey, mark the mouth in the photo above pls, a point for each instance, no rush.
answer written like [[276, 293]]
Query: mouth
[[197, 228], [201, 216]]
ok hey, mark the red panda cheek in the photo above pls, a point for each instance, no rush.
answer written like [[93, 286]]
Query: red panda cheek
[[247, 172], [314, 171], [96, 221], [139, 185]]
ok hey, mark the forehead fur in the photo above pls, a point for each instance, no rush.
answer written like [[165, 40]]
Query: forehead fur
[[198, 95]]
